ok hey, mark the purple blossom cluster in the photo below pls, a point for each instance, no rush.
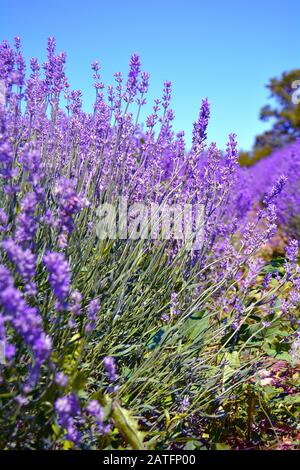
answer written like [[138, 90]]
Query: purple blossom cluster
[[25, 320], [24, 261], [59, 276], [69, 204], [97, 412], [68, 411], [275, 177], [92, 313]]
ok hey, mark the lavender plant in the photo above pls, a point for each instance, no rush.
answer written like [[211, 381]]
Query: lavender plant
[[127, 343]]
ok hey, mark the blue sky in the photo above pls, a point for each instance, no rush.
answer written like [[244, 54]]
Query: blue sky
[[223, 50]]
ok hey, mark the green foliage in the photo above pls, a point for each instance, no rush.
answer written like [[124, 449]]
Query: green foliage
[[250, 158], [284, 116]]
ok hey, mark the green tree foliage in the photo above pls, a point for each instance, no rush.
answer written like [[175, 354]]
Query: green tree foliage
[[284, 114]]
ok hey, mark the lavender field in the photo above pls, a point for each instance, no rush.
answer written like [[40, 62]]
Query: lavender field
[[140, 341]]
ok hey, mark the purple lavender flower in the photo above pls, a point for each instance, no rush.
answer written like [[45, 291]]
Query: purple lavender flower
[[166, 98], [31, 162], [7, 171], [291, 264], [54, 70], [132, 82], [59, 276], [200, 126], [61, 379], [26, 220], [174, 304], [231, 160], [165, 317], [292, 251], [20, 64], [92, 312], [24, 261], [69, 204], [3, 220], [266, 281], [75, 304], [5, 277], [276, 190], [75, 102], [24, 319], [110, 367], [255, 267], [7, 61], [21, 400], [143, 86], [95, 410], [10, 351], [185, 404], [68, 411], [63, 406]]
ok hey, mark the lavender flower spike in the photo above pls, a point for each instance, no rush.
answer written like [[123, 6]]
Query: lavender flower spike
[[59, 275]]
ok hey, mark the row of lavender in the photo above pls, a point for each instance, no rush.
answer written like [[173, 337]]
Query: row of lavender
[[70, 302]]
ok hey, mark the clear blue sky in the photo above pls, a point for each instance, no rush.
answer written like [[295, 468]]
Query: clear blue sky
[[225, 50]]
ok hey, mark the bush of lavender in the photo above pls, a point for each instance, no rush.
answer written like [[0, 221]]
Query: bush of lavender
[[134, 343]]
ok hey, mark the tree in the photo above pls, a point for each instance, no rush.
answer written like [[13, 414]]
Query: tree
[[285, 114]]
